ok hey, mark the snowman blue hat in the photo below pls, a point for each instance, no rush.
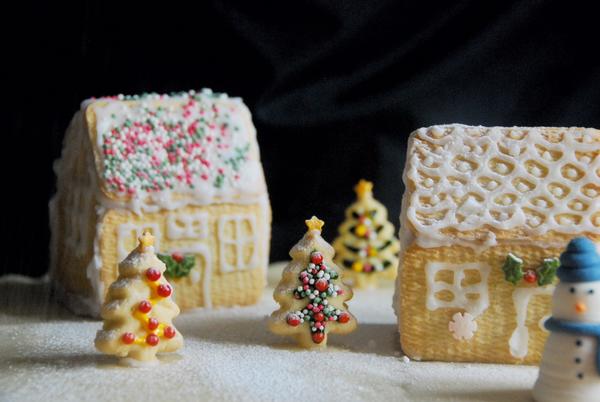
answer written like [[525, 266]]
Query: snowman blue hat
[[580, 262]]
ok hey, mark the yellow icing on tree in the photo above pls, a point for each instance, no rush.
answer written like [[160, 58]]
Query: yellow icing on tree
[[138, 311], [311, 293], [366, 246]]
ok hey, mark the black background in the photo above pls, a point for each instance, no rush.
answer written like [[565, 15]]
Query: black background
[[335, 87]]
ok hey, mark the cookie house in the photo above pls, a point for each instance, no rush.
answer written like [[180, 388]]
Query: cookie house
[[185, 167], [485, 213]]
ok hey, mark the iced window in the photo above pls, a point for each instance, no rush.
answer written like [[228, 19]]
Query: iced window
[[237, 242]]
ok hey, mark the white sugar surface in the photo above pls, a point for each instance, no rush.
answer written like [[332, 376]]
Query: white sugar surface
[[48, 354]]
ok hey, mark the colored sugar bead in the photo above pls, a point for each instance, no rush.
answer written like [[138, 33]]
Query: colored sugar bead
[[316, 257], [318, 337], [145, 306], [128, 338], [169, 332], [152, 324], [164, 290], [153, 274], [152, 340], [293, 320], [344, 318]]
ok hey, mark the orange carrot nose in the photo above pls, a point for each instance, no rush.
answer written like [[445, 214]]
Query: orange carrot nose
[[580, 307]]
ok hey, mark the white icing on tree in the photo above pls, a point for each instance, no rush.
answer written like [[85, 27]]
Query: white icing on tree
[[478, 301], [469, 178], [238, 241], [519, 340]]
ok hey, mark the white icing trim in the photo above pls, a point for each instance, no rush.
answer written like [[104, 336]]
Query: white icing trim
[[519, 340], [238, 243], [475, 307], [462, 326], [126, 230], [92, 271], [187, 226], [204, 251]]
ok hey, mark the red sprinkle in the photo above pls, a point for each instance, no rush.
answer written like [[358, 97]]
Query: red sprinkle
[[152, 340], [153, 274], [145, 306], [164, 290], [169, 332], [128, 338]]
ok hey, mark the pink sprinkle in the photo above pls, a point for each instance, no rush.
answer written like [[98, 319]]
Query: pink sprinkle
[[310, 307], [204, 176]]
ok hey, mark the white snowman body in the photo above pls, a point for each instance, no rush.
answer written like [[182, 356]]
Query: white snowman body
[[568, 371]]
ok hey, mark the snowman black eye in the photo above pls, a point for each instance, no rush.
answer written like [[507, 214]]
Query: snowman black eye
[[591, 292], [572, 290]]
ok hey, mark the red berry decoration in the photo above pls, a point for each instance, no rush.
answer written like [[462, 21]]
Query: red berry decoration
[[177, 256], [322, 285], [344, 318], [128, 338], [152, 324], [318, 337], [153, 274], [145, 306], [169, 332], [530, 276], [152, 340], [319, 317], [316, 258], [293, 320], [164, 290]]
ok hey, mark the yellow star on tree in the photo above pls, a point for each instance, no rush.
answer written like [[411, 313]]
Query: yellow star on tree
[[314, 223]]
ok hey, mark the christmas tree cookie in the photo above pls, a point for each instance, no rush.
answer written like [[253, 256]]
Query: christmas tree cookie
[[138, 310], [311, 293], [366, 246]]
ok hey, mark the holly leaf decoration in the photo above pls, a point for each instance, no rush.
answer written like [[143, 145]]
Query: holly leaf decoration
[[547, 272], [178, 265], [513, 268]]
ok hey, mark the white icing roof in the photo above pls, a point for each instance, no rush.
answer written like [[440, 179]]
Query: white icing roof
[[201, 146], [462, 179]]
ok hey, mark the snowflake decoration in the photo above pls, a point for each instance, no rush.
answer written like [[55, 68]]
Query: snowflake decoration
[[462, 326]]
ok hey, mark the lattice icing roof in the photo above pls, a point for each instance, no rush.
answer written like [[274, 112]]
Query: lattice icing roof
[[478, 180], [198, 144]]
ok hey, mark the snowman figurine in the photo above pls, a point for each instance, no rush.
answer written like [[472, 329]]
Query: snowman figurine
[[570, 368]]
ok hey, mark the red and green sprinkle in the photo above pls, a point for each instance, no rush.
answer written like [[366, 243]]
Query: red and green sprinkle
[[179, 144]]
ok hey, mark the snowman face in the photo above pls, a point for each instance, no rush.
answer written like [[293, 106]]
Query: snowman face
[[577, 301]]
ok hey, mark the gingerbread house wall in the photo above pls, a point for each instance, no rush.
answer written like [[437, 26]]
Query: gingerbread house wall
[[436, 283], [73, 220], [230, 243]]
